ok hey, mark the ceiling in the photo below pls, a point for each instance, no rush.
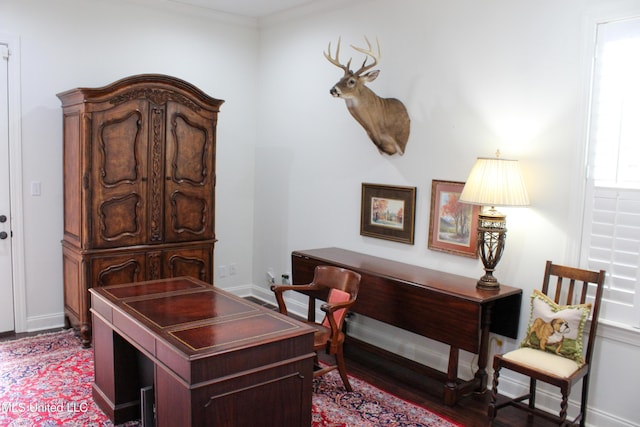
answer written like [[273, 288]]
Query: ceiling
[[248, 8]]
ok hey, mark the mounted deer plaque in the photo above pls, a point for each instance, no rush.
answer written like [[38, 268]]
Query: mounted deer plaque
[[385, 119]]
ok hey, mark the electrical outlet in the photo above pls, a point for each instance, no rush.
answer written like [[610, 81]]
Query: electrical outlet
[[286, 279], [233, 269], [271, 279]]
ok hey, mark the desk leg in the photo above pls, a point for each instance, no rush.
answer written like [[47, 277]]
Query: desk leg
[[451, 386], [481, 373], [115, 390]]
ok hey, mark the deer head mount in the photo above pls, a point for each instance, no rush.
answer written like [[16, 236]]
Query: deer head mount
[[385, 119]]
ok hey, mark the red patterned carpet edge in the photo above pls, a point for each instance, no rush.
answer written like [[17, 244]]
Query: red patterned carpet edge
[[46, 380]]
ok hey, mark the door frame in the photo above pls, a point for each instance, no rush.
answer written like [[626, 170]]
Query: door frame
[[15, 184]]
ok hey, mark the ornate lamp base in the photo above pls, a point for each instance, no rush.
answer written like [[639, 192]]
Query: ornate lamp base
[[488, 281], [492, 232]]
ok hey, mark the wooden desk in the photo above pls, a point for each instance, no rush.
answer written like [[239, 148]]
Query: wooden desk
[[213, 359], [437, 305]]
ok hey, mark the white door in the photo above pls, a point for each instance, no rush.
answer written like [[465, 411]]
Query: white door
[[6, 269]]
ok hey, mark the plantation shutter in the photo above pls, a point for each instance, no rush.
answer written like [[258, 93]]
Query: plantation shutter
[[614, 246], [611, 234]]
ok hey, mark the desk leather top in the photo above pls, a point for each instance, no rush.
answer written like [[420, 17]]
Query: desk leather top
[[192, 316]]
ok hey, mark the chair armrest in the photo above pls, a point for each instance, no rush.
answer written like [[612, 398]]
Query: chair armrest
[[282, 288], [278, 290], [331, 307]]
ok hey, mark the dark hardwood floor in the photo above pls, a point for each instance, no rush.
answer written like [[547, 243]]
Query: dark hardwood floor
[[6, 336]]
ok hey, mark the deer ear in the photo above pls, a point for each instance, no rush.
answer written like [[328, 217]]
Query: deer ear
[[371, 76]]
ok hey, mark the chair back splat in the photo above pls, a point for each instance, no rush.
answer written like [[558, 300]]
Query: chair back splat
[[557, 348]]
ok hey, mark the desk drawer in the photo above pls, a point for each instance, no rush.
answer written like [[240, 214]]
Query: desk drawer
[[245, 399]]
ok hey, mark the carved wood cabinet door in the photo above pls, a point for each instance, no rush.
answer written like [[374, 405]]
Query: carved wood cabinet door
[[116, 269], [190, 175], [119, 175], [152, 174]]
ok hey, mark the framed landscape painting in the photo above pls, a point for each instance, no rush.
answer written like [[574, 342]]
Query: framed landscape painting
[[388, 212], [453, 224]]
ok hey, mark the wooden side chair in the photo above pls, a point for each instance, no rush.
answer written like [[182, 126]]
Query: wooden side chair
[[340, 288], [557, 348]]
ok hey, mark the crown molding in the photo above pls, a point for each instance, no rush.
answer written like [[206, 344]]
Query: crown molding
[[190, 9]]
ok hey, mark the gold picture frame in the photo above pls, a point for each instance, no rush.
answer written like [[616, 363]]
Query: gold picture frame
[[453, 224], [388, 212]]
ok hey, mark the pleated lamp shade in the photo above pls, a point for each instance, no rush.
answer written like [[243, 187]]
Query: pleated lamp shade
[[494, 181]]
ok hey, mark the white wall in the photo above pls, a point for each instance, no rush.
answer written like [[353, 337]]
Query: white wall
[[475, 76], [464, 91], [70, 43]]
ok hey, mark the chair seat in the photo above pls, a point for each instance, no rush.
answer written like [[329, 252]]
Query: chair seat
[[321, 335], [543, 361]]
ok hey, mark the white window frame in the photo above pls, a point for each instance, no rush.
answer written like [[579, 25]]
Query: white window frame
[[611, 226]]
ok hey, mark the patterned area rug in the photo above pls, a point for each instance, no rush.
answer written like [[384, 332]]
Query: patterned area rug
[[46, 381]]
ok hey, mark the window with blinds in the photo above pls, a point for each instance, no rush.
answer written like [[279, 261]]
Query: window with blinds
[[611, 234]]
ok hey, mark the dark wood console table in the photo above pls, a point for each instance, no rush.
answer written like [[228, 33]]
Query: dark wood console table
[[437, 305], [213, 359]]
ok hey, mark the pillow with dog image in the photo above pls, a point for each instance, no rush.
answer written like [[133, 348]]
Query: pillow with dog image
[[556, 328]]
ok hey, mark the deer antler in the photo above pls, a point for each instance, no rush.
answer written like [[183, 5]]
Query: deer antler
[[336, 61], [368, 52]]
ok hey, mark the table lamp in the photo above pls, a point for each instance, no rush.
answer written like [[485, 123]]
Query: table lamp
[[493, 182]]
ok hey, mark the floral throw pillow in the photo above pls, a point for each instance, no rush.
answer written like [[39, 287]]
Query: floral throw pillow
[[556, 328]]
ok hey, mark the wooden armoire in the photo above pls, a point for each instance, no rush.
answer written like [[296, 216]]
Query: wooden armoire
[[139, 186]]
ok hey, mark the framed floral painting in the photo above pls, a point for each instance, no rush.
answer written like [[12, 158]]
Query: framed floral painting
[[453, 224]]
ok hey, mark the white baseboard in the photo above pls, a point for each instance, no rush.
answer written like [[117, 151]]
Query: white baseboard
[[41, 323], [548, 399], [597, 418], [260, 293], [242, 290], [297, 307]]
